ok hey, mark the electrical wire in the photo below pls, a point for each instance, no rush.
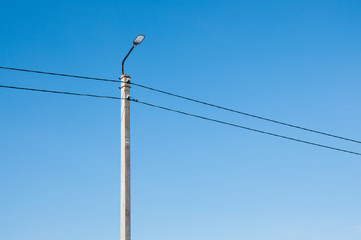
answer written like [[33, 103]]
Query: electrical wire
[[60, 74], [243, 127], [192, 100], [246, 114], [183, 113], [59, 92]]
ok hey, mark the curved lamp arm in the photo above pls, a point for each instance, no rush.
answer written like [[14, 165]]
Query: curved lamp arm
[[136, 41], [126, 58]]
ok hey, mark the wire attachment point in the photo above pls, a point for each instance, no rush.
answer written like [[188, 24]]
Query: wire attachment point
[[129, 98]]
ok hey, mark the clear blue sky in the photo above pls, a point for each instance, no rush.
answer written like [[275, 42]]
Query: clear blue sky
[[294, 61]]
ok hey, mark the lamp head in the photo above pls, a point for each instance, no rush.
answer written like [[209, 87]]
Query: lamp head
[[138, 39]]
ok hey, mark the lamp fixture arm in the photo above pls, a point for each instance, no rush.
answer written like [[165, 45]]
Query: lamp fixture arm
[[126, 58]]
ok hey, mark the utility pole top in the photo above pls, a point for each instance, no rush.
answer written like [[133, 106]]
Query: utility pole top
[[124, 76]]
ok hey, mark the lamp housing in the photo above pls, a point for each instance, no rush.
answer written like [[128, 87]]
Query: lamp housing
[[138, 40]]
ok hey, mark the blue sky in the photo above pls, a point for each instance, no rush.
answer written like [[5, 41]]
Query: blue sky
[[294, 61]]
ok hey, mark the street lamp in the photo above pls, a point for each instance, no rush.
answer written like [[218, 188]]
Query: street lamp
[[138, 40], [125, 149]]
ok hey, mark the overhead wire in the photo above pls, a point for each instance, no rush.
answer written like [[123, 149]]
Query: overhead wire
[[183, 113], [192, 100], [60, 74], [58, 92], [247, 114], [243, 127]]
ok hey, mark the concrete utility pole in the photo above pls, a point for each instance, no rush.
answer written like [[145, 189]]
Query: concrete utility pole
[[125, 150], [125, 161]]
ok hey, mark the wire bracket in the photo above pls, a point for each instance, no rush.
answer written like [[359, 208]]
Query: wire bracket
[[129, 98]]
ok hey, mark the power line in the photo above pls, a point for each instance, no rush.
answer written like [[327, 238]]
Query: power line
[[60, 74], [246, 114], [59, 92], [184, 113], [192, 100], [243, 127]]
